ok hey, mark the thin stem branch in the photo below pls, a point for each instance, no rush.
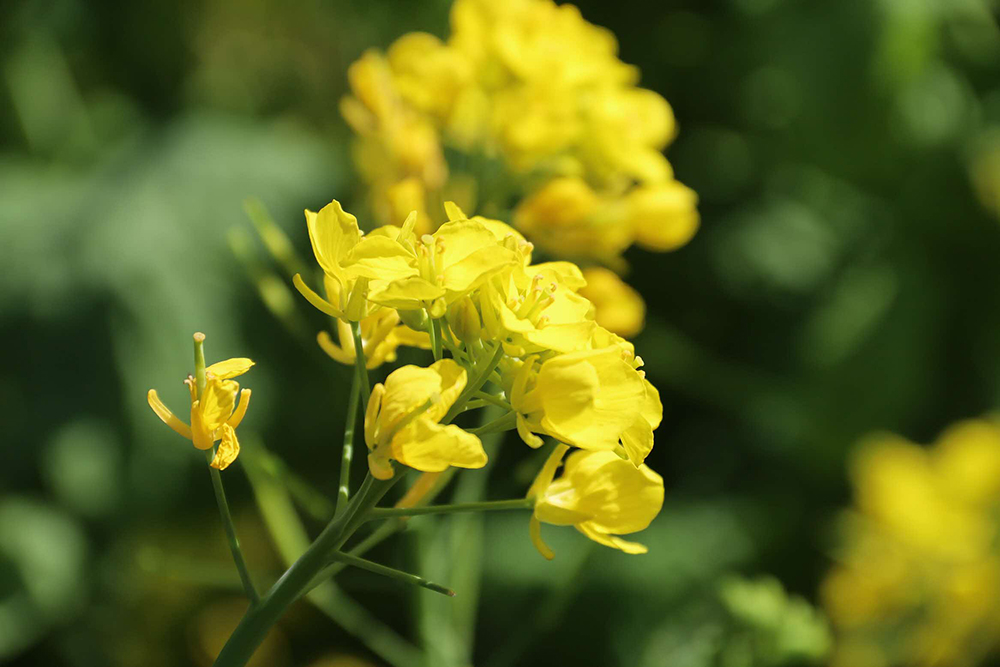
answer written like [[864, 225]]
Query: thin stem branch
[[476, 385], [435, 338], [361, 363], [492, 398], [347, 453], [390, 572], [504, 423], [294, 582], [227, 524], [484, 506]]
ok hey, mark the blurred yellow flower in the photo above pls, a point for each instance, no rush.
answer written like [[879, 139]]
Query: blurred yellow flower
[[918, 558], [402, 421], [543, 115], [215, 414], [599, 494], [617, 307]]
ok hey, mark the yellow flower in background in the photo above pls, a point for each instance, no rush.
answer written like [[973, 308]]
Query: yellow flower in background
[[617, 307], [531, 90], [402, 421], [918, 559], [215, 414], [382, 334], [599, 494]]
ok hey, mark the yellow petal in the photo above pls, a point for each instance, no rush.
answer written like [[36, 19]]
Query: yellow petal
[[535, 529], [241, 410], [589, 398], [430, 447], [466, 275], [316, 300], [454, 212], [410, 388], [333, 233], [372, 415], [611, 540], [217, 403], [168, 417], [380, 258], [524, 430], [548, 471], [229, 449], [619, 497], [230, 368], [406, 294]]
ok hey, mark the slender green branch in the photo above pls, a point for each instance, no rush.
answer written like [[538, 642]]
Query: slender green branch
[[227, 524], [294, 582], [435, 337], [504, 423], [492, 398], [347, 453], [392, 573], [484, 506], [360, 362], [476, 385]]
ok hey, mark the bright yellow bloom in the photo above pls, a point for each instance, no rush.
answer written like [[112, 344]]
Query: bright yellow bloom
[[617, 307], [215, 414], [402, 421], [588, 399], [599, 494], [350, 262], [919, 557], [448, 264]]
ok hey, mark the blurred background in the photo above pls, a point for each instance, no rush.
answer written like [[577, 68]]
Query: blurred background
[[846, 279]]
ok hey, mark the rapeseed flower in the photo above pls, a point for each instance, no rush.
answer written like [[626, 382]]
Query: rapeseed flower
[[918, 568], [215, 413], [402, 422], [599, 494]]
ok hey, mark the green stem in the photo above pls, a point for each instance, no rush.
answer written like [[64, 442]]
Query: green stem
[[484, 506], [476, 385], [234, 542], [259, 619], [350, 423], [491, 398], [361, 363], [392, 573], [504, 423], [199, 362], [435, 338]]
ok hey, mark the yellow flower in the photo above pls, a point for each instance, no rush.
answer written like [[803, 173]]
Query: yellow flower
[[381, 335], [350, 262], [402, 421], [215, 414], [588, 399], [449, 264], [617, 307], [599, 494], [663, 216]]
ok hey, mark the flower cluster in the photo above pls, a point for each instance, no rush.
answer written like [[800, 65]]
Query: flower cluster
[[519, 335], [525, 107], [918, 578]]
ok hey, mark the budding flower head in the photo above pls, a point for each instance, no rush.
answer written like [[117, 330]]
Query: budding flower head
[[463, 317]]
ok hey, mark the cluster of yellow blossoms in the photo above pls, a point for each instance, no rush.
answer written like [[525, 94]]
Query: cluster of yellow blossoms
[[519, 336], [524, 111], [918, 579]]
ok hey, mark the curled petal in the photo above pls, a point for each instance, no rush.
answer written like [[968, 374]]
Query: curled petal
[[229, 449], [535, 527], [333, 350], [230, 368], [430, 447], [548, 472], [612, 541], [241, 409], [168, 417], [316, 300]]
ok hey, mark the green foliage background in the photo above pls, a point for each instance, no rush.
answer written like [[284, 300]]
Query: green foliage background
[[846, 278]]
